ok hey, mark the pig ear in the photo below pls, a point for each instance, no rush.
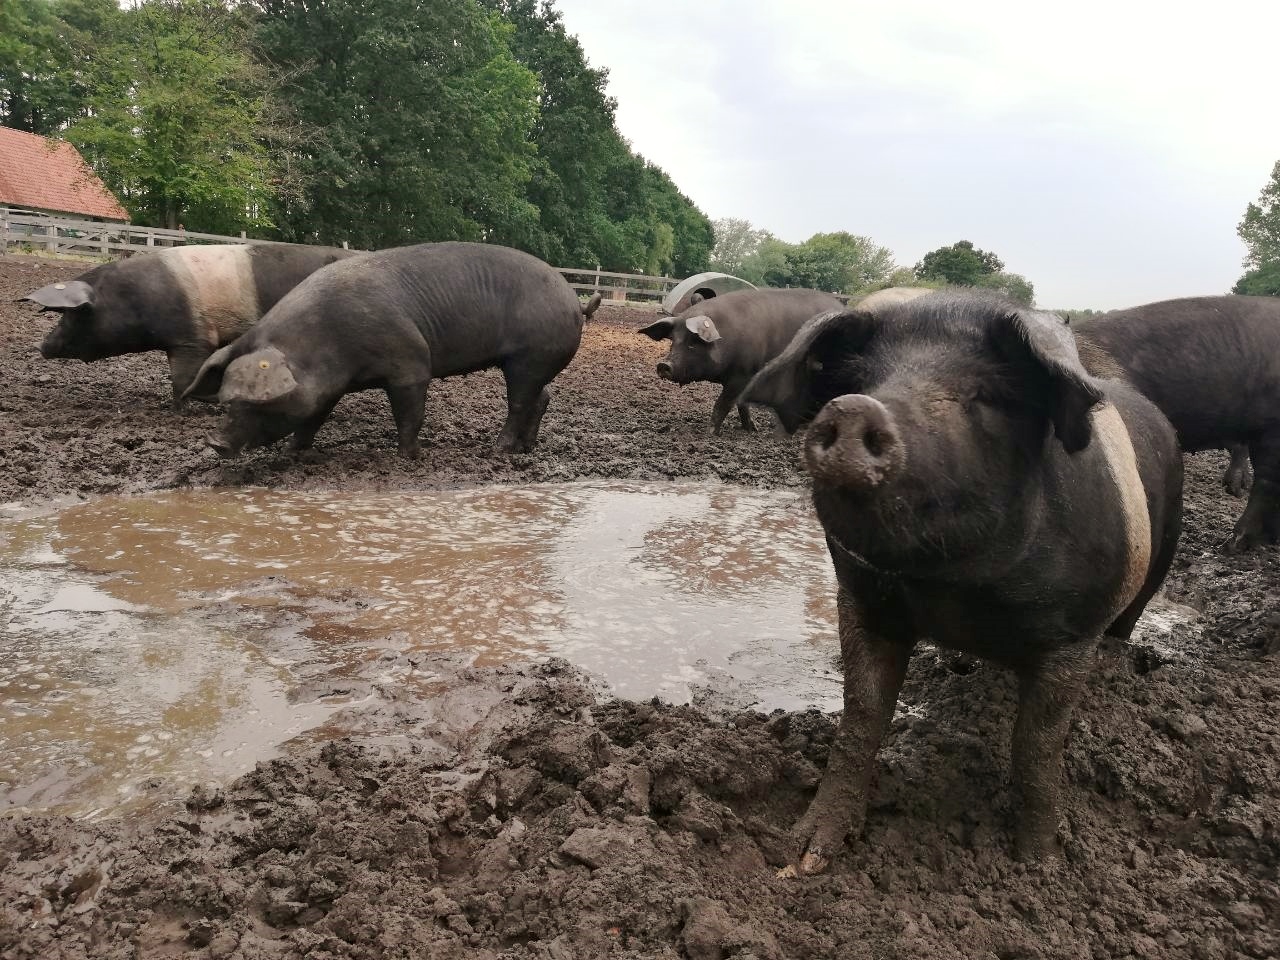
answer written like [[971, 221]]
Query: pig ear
[[258, 377], [702, 327], [209, 377], [659, 329], [793, 382], [1072, 392], [63, 296]]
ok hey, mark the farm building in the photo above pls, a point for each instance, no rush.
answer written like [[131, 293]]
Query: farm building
[[43, 175]]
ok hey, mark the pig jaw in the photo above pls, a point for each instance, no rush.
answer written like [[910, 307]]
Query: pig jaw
[[245, 427]]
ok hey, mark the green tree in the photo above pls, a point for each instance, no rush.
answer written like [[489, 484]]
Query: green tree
[[736, 240], [839, 262], [1260, 228], [1014, 286], [960, 264], [1263, 281], [423, 121], [36, 92], [175, 106]]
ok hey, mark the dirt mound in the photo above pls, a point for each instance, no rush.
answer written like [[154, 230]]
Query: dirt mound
[[521, 814]]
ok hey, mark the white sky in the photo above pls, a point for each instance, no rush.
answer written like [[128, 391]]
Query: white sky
[[1104, 150]]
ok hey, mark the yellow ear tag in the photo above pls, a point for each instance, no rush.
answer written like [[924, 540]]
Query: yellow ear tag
[[264, 364]]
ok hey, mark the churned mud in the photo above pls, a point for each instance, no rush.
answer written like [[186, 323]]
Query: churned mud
[[425, 805]]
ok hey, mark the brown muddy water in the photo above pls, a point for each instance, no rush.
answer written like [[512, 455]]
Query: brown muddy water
[[183, 636]]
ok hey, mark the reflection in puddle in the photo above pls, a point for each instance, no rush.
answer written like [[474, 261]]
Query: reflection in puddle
[[168, 636]]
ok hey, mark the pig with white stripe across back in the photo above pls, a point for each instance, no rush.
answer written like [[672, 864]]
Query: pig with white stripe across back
[[187, 301], [980, 490]]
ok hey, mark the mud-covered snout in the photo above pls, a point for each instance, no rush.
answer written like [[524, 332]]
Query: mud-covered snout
[[223, 446], [55, 345], [664, 369], [854, 444]]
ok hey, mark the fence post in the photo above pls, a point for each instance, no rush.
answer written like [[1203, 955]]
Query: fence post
[[344, 245], [106, 249], [52, 242], [4, 229]]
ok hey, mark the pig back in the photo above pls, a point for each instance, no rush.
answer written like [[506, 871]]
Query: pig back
[[480, 305], [1208, 363]]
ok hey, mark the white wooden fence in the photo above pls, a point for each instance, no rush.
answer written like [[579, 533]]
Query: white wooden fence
[[69, 236]]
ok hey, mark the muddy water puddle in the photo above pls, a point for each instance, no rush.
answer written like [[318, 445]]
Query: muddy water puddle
[[185, 635]]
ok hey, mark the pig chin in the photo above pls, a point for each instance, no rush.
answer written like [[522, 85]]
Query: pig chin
[[232, 439]]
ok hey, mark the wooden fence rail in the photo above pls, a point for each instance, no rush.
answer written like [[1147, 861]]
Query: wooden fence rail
[[69, 236]]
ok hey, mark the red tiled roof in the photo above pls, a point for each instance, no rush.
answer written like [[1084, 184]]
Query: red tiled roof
[[44, 174]]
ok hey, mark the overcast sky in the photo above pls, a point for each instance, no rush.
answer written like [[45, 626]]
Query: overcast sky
[[1104, 150]]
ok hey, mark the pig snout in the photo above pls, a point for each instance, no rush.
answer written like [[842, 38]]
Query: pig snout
[[853, 444], [223, 447], [664, 370]]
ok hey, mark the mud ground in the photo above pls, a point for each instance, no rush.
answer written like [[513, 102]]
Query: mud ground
[[522, 814]]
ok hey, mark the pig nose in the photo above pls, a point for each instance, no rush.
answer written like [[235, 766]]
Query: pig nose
[[853, 444], [219, 446], [664, 370]]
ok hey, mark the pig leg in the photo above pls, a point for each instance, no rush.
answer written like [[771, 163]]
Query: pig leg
[[730, 392], [305, 435], [1049, 690], [527, 399], [184, 363], [874, 669], [1260, 522], [1239, 475], [408, 409]]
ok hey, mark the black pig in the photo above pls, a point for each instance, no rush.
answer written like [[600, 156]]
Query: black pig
[[1212, 365], [977, 488], [186, 301], [727, 339], [393, 321]]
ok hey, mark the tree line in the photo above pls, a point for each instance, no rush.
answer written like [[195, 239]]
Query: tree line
[[846, 263], [376, 122], [1260, 231]]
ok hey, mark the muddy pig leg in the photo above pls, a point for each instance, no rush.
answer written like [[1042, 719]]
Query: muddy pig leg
[[1049, 691], [724, 403], [874, 669], [529, 435], [1239, 475], [184, 363], [1260, 522], [744, 415], [305, 435], [408, 409], [527, 401]]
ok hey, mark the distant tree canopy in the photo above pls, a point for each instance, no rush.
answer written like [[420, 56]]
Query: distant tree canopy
[[839, 262], [1263, 281], [378, 122], [964, 265], [1260, 231]]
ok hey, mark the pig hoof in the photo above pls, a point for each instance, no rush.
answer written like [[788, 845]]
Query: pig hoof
[[410, 453], [812, 863]]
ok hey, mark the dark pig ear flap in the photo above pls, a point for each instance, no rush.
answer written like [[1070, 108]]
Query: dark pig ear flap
[[63, 296], [659, 329], [258, 377], [704, 328], [1073, 394], [208, 379], [786, 383]]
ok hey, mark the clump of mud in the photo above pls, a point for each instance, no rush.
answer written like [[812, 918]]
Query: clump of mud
[[521, 815]]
